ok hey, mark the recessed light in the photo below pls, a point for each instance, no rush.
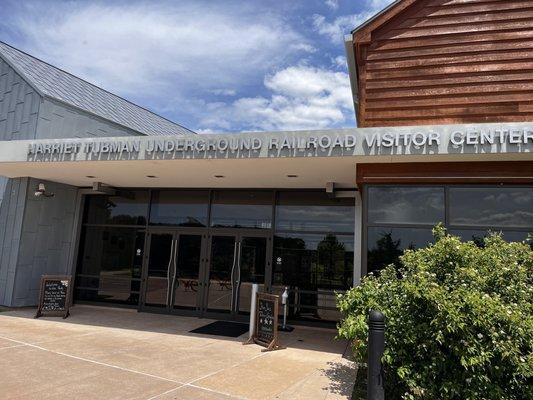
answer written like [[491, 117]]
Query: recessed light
[[90, 176], [219, 176], [292, 176], [151, 176]]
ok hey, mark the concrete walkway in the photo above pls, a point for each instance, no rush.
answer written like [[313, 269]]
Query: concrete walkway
[[104, 353]]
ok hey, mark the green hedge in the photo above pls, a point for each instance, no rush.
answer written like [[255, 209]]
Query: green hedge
[[459, 320]]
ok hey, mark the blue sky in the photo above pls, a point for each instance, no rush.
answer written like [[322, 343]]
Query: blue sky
[[211, 66]]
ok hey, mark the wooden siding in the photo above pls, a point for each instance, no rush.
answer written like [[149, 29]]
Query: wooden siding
[[447, 62], [500, 172]]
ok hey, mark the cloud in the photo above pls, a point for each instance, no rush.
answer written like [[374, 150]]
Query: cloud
[[339, 62], [224, 92], [333, 4], [303, 97], [144, 47], [338, 27], [344, 24]]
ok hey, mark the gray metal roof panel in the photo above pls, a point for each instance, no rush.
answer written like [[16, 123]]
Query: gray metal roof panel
[[67, 88]]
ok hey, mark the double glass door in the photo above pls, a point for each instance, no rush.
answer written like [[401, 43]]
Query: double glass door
[[204, 272], [236, 261], [173, 270]]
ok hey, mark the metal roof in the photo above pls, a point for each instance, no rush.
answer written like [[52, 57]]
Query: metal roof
[[59, 85]]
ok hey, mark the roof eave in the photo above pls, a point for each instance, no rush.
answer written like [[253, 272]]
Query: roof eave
[[376, 16], [352, 69]]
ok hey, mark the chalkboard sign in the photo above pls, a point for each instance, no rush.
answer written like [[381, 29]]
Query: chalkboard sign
[[266, 321], [55, 296]]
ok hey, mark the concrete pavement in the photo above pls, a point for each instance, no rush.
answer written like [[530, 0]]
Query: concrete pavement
[[105, 353]]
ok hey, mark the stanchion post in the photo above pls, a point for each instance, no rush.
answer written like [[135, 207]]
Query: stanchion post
[[255, 289], [285, 303], [376, 346]]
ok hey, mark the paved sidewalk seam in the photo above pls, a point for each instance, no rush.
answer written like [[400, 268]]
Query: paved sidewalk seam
[[93, 361]]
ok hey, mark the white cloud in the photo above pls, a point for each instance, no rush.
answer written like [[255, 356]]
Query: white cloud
[[131, 48], [344, 24], [339, 62], [303, 97], [224, 92], [338, 27], [333, 4]]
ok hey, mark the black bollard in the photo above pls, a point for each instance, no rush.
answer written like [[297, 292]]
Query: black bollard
[[376, 345]]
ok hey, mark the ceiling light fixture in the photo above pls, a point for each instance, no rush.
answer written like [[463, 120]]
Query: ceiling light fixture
[[219, 176], [292, 176], [151, 176]]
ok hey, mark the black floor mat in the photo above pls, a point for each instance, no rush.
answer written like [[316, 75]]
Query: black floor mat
[[222, 328]]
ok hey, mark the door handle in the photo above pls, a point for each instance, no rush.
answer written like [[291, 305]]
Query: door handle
[[235, 292], [168, 270], [173, 283], [232, 276], [239, 262]]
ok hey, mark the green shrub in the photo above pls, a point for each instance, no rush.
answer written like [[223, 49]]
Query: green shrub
[[459, 320]]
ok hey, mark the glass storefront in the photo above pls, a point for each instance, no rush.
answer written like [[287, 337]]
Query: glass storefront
[[205, 249], [109, 265], [242, 209], [187, 208], [402, 217], [313, 252]]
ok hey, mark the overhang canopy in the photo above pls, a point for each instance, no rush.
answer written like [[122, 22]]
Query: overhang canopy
[[302, 159]]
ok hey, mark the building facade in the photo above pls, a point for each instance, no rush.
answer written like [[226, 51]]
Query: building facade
[[146, 214]]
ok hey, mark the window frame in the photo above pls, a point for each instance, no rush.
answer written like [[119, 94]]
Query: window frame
[[446, 222]]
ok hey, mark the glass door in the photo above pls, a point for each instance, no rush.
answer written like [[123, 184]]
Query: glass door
[[173, 268], [188, 260], [160, 262], [252, 261], [236, 261], [219, 293]]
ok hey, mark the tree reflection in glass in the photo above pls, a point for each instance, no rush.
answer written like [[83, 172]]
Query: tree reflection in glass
[[313, 266]]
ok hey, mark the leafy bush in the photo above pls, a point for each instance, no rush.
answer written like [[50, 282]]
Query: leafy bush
[[459, 320]]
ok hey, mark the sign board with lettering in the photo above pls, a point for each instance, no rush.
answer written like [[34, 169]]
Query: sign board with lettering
[[266, 321], [481, 139], [55, 295]]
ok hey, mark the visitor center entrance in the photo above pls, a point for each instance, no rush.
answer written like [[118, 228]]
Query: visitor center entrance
[[198, 252], [204, 272]]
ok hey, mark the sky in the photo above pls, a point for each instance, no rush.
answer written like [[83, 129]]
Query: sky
[[209, 65]]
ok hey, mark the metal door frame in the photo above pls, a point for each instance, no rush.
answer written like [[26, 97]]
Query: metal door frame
[[176, 233], [238, 234]]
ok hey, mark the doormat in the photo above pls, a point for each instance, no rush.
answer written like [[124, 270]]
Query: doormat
[[222, 328]]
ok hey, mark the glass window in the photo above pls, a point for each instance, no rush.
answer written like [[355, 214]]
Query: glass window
[[491, 207], [109, 265], [405, 204], [131, 208], [478, 235], [386, 245], [313, 267], [179, 208], [242, 209], [314, 211], [313, 261]]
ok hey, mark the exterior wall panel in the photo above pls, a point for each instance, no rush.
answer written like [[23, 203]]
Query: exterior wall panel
[[58, 121], [45, 241], [446, 62], [11, 218], [36, 233], [19, 106]]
